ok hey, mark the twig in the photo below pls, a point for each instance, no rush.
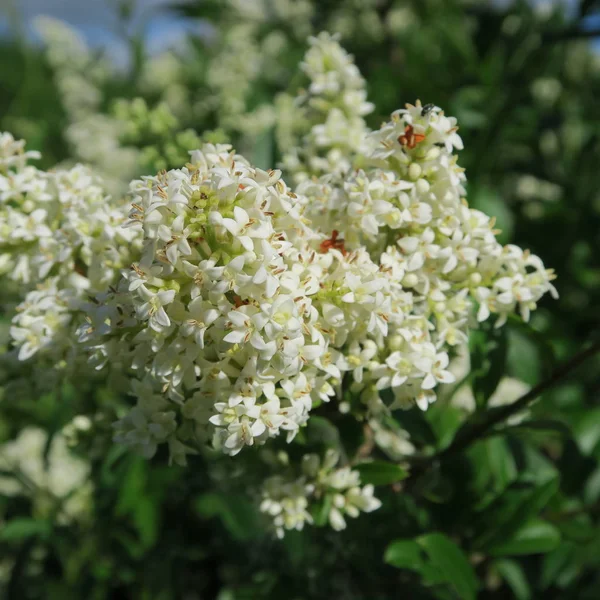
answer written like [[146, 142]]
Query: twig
[[471, 434]]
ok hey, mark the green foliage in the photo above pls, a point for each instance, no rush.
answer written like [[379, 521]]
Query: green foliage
[[381, 473]]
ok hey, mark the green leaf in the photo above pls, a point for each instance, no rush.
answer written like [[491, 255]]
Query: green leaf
[[415, 423], [488, 350], [556, 562], [23, 528], [404, 554], [237, 514], [591, 491], [322, 431], [133, 485], [210, 10], [512, 572], [436, 486], [321, 513], [491, 203], [445, 420], [508, 513], [146, 517], [262, 150], [494, 468], [535, 537], [543, 426], [380, 472], [530, 354], [452, 563], [586, 430]]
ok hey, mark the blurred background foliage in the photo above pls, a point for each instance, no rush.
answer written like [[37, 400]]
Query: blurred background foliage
[[516, 514]]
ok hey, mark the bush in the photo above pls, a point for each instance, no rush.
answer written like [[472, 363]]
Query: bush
[[331, 379]]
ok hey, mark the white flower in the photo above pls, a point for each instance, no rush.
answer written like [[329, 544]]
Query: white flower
[[57, 478], [152, 309]]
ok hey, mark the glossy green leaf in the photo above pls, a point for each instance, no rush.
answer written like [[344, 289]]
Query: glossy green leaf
[[452, 563], [511, 510], [488, 349], [512, 572], [22, 528], [586, 430], [535, 537], [404, 554], [380, 472]]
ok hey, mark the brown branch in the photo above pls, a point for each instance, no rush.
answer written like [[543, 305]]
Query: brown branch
[[479, 429]]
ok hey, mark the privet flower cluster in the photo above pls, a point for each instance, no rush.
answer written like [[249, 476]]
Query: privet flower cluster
[[334, 491], [236, 304], [234, 318], [80, 78], [61, 240], [322, 128], [403, 200], [47, 471]]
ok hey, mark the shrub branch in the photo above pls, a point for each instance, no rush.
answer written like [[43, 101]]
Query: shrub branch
[[479, 429]]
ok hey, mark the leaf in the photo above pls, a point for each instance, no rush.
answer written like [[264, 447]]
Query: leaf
[[512, 572], [415, 423], [445, 421], [452, 563], [535, 537], [23, 528], [556, 562], [505, 516], [237, 514], [527, 428], [591, 491], [322, 431], [488, 350], [404, 554], [494, 468], [530, 354], [436, 486], [210, 10], [133, 485], [492, 204], [262, 150], [146, 517], [380, 472], [321, 513], [351, 433], [586, 430]]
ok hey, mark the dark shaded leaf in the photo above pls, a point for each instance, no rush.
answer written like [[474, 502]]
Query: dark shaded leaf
[[535, 537], [19, 529], [404, 554], [512, 572], [380, 472]]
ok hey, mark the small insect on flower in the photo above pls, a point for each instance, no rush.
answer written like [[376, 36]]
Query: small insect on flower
[[333, 242], [410, 139], [427, 109]]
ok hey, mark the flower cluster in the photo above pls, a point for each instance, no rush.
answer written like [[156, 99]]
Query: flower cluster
[[61, 238], [401, 196], [80, 78], [323, 127], [335, 491], [233, 304], [234, 316], [251, 300], [48, 472]]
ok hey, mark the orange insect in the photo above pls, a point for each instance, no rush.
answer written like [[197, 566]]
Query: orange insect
[[410, 138], [239, 302], [333, 242]]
